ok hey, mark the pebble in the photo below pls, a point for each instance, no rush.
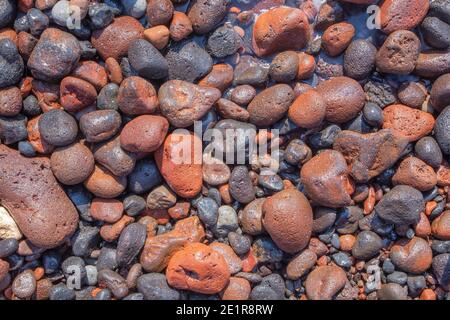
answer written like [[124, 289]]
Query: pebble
[[412, 256], [243, 94], [233, 261], [326, 181], [344, 98], [61, 292], [182, 102], [399, 53], [241, 187], [207, 210], [7, 13], [101, 15], [391, 291], [251, 217], [154, 287], [158, 36], [441, 270], [137, 96], [134, 205], [134, 8], [324, 282], [220, 77], [367, 245], [323, 218], [251, 71], [284, 67], [440, 92], [266, 251], [415, 173], [240, 243], [408, 122], [114, 282], [432, 64], [227, 221], [415, 285], [117, 160], [380, 92], [180, 26], [287, 217], [11, 63], [107, 210], [147, 60], [439, 226], [441, 133], [93, 73], [131, 241], [359, 59], [436, 32], [183, 178], [308, 110], [8, 246], [104, 184], [402, 15], [224, 41], [145, 133], [144, 177], [161, 198], [280, 29], [301, 264], [159, 12], [188, 61], [270, 105], [114, 40], [58, 128], [412, 94], [198, 268], [10, 101], [55, 55], [24, 285], [49, 201], [373, 114], [205, 15], [107, 97], [337, 37], [237, 289], [72, 164]]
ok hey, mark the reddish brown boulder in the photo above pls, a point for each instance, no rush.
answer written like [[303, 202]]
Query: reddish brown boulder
[[337, 37], [399, 53], [72, 164], [415, 173], [179, 161], [287, 217], [10, 101], [441, 226], [144, 134], [402, 14], [369, 154], [324, 282], [183, 102], [77, 94], [137, 96], [308, 110], [412, 256], [411, 123], [114, 40], [280, 29], [41, 209], [198, 268], [159, 249], [326, 180], [344, 98]]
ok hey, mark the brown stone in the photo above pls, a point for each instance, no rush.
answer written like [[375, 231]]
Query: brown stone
[[110, 155], [91, 72], [111, 232], [144, 134], [180, 210], [104, 184], [443, 176], [233, 261], [158, 36], [432, 64], [137, 96], [77, 94], [184, 173], [422, 228], [183, 102], [287, 217], [26, 43], [411, 123], [337, 37], [308, 110], [402, 14], [301, 264], [415, 173], [326, 180], [324, 282], [270, 105], [8, 33], [34, 136], [205, 15], [198, 268], [114, 71], [440, 92], [237, 289], [306, 66], [412, 94], [114, 40], [10, 101], [47, 95], [220, 77], [399, 53], [159, 12], [72, 164], [243, 94], [412, 256], [229, 110], [369, 154], [180, 26], [280, 29], [344, 98], [107, 210], [441, 226], [159, 249], [251, 217], [41, 209]]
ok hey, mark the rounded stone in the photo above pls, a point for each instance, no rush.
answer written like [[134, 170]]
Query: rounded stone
[[58, 128], [137, 96], [241, 187], [412, 94], [237, 289], [158, 36], [440, 92], [24, 285], [224, 41], [411, 255], [284, 67], [251, 217], [100, 125], [107, 210], [10, 101], [72, 164], [159, 12], [117, 160], [104, 184], [308, 110], [415, 173], [243, 94], [359, 59], [147, 60], [367, 245], [144, 133], [220, 77], [205, 15], [301, 264], [11, 63], [344, 98], [154, 287], [337, 37], [287, 217], [180, 26], [441, 226], [324, 282], [441, 131], [402, 14]]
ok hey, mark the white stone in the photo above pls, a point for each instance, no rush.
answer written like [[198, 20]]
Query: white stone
[[135, 8], [8, 227]]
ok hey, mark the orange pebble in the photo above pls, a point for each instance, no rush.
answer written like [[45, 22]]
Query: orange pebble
[[347, 241], [39, 273], [235, 10], [288, 184], [95, 292], [322, 261], [225, 193], [430, 206], [369, 203], [248, 261], [428, 294]]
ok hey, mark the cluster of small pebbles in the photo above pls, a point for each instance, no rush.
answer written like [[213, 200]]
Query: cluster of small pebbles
[[94, 207]]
